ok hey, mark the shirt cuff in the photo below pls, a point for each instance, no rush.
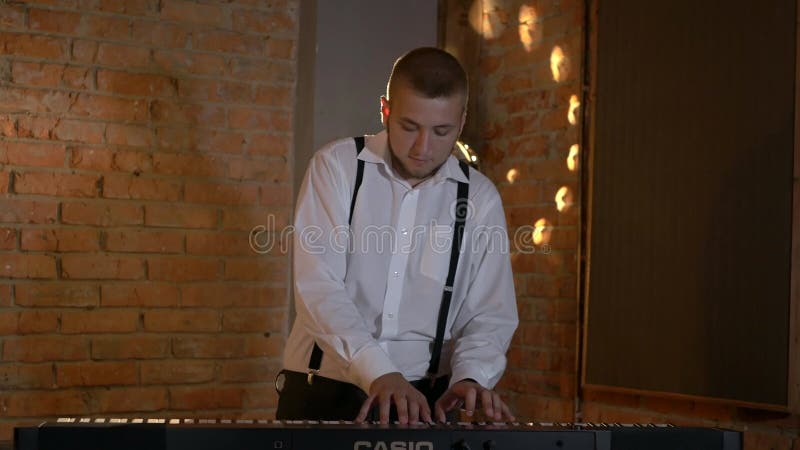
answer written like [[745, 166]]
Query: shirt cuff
[[471, 371], [369, 364]]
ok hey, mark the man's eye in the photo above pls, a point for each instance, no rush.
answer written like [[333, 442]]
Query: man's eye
[[439, 132], [407, 127]]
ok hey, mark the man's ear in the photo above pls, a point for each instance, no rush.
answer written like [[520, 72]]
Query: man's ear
[[384, 110]]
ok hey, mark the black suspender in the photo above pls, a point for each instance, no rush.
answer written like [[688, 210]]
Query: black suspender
[[447, 295], [315, 361]]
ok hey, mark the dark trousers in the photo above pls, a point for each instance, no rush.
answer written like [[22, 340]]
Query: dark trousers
[[327, 399]]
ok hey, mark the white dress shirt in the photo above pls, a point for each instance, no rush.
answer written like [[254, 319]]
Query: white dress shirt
[[370, 296]]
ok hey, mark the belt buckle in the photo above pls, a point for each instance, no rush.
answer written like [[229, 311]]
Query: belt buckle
[[311, 374]]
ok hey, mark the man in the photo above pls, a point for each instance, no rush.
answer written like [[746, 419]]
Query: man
[[380, 302]]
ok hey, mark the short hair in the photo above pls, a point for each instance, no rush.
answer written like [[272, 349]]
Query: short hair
[[430, 71]]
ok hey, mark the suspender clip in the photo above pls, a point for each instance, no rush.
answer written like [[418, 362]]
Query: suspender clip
[[310, 378]]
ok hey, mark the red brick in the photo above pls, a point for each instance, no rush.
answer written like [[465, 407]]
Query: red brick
[[275, 96], [125, 7], [36, 127], [5, 295], [12, 16], [84, 51], [45, 348], [110, 108], [161, 34], [8, 125], [132, 136], [222, 295], [271, 22], [275, 195], [56, 184], [36, 74], [176, 139], [177, 372], [263, 71], [254, 320], [529, 407], [79, 131], [9, 323], [213, 141], [142, 241], [218, 243], [280, 48], [116, 55], [189, 165], [228, 194], [99, 321], [140, 294], [34, 101], [103, 160], [59, 294], [182, 321], [33, 46], [270, 170], [130, 347], [130, 400], [53, 21], [60, 240], [167, 112], [256, 397], [191, 12], [96, 374], [228, 42], [8, 239], [181, 269], [246, 219], [548, 335], [105, 27], [198, 398], [31, 322], [102, 267], [227, 347], [33, 154], [183, 62], [260, 119], [256, 269], [140, 188], [249, 371], [26, 376], [15, 265], [80, 78], [180, 216], [145, 85], [102, 214], [62, 403]]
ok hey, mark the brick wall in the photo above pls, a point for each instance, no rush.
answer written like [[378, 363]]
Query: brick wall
[[525, 94], [140, 142]]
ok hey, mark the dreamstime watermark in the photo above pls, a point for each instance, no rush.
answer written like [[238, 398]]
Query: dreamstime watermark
[[438, 238]]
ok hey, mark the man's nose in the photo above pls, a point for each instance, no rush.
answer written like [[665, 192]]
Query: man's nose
[[421, 144]]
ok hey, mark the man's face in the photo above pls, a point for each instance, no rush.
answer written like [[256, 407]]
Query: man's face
[[422, 131]]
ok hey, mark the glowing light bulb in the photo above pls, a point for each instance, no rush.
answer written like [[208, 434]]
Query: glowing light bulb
[[557, 63], [512, 175], [572, 159], [574, 104], [529, 33], [563, 199], [541, 232]]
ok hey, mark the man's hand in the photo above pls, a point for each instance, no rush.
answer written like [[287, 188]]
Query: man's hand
[[392, 388], [467, 393]]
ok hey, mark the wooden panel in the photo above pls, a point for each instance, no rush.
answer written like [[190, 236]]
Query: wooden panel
[[794, 325], [692, 199]]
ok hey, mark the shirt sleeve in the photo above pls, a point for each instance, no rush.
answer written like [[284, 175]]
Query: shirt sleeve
[[323, 306], [485, 323]]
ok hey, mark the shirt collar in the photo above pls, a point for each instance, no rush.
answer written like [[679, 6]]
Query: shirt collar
[[376, 150]]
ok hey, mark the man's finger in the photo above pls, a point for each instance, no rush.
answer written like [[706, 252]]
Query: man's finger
[[469, 401], [440, 417], [486, 401], [362, 414], [507, 413], [497, 405], [401, 404], [425, 412], [413, 412], [386, 404]]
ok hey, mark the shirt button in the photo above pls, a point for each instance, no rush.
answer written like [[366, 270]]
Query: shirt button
[[397, 274], [404, 231], [390, 315]]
